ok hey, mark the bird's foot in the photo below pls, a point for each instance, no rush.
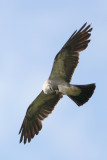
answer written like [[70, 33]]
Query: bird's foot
[[57, 92]]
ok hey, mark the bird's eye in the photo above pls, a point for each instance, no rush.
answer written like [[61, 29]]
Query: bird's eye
[[50, 88]]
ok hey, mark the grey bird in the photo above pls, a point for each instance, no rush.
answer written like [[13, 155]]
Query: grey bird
[[58, 84]]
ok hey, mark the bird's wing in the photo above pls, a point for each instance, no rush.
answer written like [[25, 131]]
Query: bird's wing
[[40, 108], [67, 59]]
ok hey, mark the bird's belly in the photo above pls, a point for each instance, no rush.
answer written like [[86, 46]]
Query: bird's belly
[[69, 90], [63, 88]]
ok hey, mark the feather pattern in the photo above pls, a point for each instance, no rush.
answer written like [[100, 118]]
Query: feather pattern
[[67, 59], [40, 108]]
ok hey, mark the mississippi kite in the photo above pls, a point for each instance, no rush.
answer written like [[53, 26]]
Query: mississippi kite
[[58, 84]]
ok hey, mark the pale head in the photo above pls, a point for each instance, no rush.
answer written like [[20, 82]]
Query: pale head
[[47, 87]]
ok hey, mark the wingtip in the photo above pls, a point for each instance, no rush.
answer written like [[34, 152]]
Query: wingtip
[[85, 23], [20, 141], [82, 27], [25, 140], [90, 29], [87, 27]]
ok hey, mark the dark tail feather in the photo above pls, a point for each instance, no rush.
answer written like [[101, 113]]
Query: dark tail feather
[[86, 93]]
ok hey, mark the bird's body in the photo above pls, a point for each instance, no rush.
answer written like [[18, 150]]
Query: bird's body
[[52, 86], [58, 84]]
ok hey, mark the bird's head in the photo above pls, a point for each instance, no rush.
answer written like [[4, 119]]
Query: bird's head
[[47, 87]]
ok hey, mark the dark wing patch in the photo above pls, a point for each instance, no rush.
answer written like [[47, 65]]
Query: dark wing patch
[[67, 59], [40, 108]]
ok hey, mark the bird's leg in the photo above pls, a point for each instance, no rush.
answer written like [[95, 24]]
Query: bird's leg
[[57, 92]]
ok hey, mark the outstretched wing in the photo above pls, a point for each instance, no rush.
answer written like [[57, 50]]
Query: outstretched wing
[[67, 59], [40, 108]]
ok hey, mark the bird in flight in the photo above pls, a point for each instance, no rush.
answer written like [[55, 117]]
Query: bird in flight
[[58, 84]]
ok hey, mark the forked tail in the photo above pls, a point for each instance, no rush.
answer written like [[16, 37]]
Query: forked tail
[[86, 92]]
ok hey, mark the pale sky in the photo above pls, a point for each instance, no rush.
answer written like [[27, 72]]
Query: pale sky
[[31, 34]]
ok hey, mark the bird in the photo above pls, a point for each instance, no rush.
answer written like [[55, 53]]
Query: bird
[[58, 84]]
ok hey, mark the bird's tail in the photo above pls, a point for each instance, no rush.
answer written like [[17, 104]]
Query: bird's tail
[[80, 94]]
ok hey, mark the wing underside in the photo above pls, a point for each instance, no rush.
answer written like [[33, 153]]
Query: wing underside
[[40, 108], [67, 59]]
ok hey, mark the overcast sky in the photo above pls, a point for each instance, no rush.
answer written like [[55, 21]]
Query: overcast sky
[[31, 34]]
